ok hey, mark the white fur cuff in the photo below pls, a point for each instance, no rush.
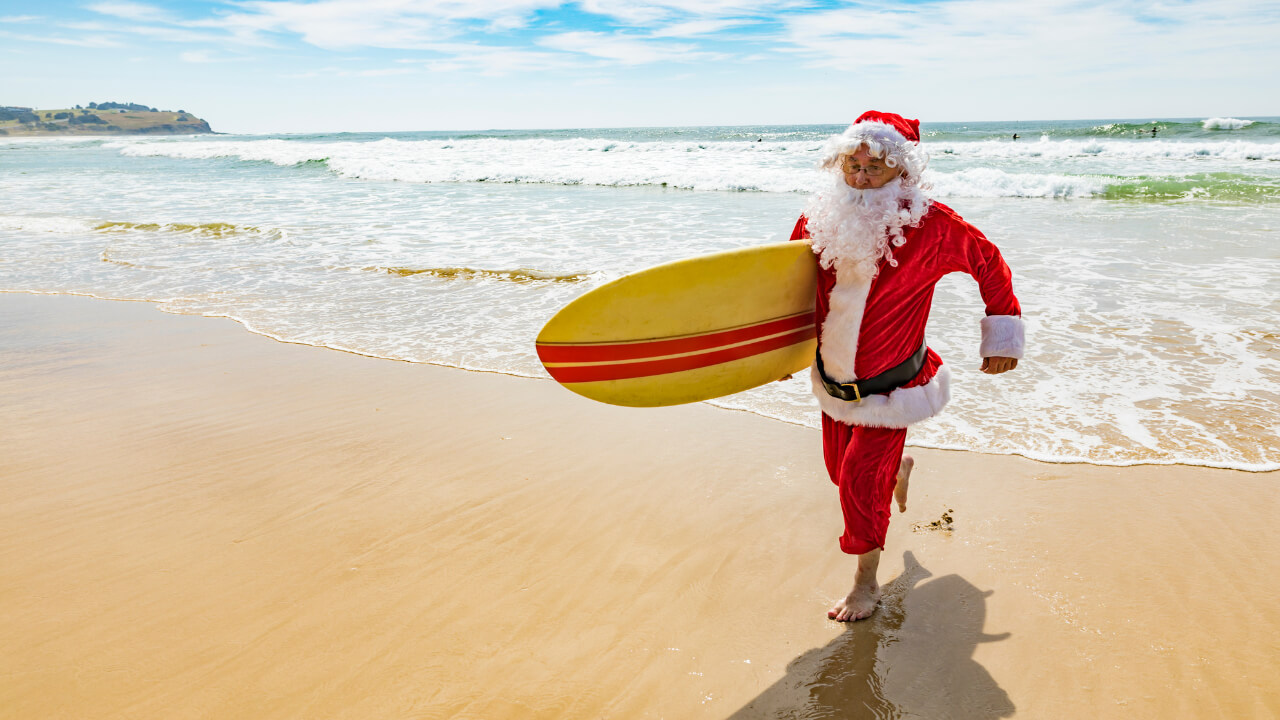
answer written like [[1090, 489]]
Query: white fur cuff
[[898, 409], [1003, 336]]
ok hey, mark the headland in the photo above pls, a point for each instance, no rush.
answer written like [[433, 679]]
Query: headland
[[108, 118]]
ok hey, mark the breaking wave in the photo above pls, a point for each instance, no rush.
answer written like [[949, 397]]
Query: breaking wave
[[1199, 186], [984, 168], [1121, 150], [992, 183], [1225, 124], [1182, 130]]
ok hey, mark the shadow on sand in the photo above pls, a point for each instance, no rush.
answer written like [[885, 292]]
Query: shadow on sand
[[913, 658]]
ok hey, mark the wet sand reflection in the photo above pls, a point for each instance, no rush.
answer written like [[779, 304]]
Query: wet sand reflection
[[914, 658]]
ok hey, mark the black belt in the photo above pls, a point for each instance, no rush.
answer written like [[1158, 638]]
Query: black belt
[[886, 382]]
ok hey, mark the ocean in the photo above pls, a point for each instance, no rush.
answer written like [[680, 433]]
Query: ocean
[[1148, 265]]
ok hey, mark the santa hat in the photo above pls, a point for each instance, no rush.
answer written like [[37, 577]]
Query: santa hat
[[908, 129], [886, 135]]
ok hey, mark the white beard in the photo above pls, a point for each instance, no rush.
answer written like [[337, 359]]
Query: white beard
[[852, 230]]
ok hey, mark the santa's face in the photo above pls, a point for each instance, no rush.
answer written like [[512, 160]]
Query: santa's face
[[864, 171]]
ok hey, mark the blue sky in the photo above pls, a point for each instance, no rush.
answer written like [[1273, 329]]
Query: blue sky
[[386, 65]]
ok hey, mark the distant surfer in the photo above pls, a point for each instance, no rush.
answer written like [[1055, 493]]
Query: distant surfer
[[882, 245], [1015, 136]]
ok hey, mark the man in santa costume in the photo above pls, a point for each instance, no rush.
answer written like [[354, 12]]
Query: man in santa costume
[[882, 245]]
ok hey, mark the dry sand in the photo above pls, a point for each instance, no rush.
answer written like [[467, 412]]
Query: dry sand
[[197, 522]]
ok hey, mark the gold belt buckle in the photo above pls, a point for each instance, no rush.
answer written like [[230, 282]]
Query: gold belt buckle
[[856, 394]]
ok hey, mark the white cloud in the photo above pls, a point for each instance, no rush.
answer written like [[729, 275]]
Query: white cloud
[[621, 48], [627, 11], [1010, 37], [695, 28], [405, 24], [429, 25], [88, 42], [655, 11], [19, 18], [411, 24], [379, 72], [495, 60], [180, 35], [336, 72], [332, 25], [131, 11], [208, 56]]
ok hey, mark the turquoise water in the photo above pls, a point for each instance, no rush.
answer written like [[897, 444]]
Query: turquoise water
[[1148, 267]]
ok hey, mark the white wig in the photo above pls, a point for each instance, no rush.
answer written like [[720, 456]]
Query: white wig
[[883, 141]]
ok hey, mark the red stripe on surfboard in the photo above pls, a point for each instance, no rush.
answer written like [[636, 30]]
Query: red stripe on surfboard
[[649, 368], [616, 352]]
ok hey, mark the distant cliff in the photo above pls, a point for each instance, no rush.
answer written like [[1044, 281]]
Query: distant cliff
[[107, 118]]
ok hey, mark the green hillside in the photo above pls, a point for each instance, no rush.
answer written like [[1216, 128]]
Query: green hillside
[[107, 118]]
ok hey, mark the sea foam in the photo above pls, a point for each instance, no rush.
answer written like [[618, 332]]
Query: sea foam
[[990, 168], [44, 224], [993, 183], [722, 166], [1225, 124], [1134, 151]]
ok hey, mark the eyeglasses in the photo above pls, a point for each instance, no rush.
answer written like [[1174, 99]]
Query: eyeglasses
[[871, 170]]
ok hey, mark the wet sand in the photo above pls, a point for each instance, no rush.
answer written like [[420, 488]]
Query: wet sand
[[199, 522]]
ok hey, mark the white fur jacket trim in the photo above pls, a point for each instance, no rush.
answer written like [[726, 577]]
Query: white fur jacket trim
[[898, 409], [1003, 336]]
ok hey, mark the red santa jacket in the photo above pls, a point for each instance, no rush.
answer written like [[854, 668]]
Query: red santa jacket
[[867, 327]]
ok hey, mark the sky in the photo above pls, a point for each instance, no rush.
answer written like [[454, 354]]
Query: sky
[[267, 66]]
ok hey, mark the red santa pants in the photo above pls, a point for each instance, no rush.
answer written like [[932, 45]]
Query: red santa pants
[[863, 462]]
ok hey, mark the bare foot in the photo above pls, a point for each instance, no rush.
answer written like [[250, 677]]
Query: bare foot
[[857, 605], [904, 478], [862, 599]]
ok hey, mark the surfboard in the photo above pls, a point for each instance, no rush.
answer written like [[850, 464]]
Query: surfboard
[[689, 330]]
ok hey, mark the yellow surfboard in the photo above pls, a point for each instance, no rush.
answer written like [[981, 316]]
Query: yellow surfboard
[[689, 330]]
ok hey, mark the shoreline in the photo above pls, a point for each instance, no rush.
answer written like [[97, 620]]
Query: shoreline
[[199, 521], [1026, 455]]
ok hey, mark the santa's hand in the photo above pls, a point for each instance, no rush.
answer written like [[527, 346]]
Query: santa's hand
[[997, 365]]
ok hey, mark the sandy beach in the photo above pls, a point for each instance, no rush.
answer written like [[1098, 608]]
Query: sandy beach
[[200, 522]]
